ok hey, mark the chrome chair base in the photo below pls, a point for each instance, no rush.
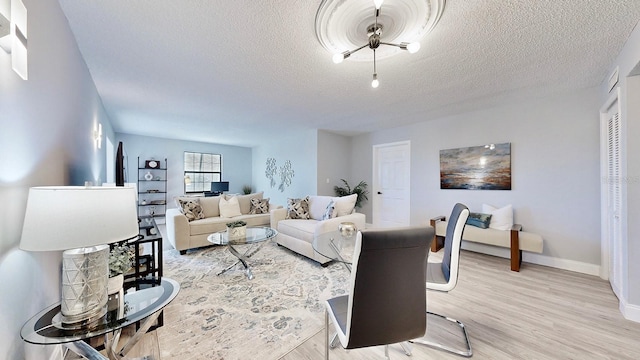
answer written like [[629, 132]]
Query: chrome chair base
[[437, 345]]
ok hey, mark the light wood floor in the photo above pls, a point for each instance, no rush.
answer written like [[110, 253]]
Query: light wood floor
[[539, 313]]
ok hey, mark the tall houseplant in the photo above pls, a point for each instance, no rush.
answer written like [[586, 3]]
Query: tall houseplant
[[360, 190]]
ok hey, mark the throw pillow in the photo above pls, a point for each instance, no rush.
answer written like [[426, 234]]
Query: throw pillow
[[229, 207], [318, 206], [501, 219], [245, 201], [298, 208], [479, 220], [210, 206], [191, 209], [259, 206], [330, 211], [345, 204]]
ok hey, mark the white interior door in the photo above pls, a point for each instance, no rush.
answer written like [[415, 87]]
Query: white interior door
[[391, 181], [611, 195]]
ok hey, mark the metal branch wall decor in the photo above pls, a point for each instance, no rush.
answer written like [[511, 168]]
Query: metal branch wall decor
[[486, 167], [285, 172], [271, 170]]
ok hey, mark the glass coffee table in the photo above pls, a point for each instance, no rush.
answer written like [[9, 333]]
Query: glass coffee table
[[256, 237]]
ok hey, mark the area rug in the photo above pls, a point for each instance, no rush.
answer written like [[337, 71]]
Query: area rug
[[231, 317]]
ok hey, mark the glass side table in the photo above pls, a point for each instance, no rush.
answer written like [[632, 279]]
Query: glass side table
[[336, 247], [143, 304]]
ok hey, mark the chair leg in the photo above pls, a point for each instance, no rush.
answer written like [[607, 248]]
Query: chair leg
[[466, 353], [406, 347], [326, 334]]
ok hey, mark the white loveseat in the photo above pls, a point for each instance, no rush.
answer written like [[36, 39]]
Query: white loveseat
[[184, 234], [298, 234]]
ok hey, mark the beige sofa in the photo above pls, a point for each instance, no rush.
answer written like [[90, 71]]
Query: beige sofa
[[298, 234], [184, 234]]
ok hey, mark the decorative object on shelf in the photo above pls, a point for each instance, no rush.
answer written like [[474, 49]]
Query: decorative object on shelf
[[360, 190], [347, 229], [484, 167], [68, 218], [151, 164], [400, 26], [237, 230], [246, 189], [148, 176], [143, 202]]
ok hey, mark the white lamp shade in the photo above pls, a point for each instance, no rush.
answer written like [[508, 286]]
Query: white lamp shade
[[69, 217]]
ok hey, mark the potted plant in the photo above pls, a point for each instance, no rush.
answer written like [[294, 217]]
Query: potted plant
[[360, 190], [236, 230], [246, 189], [120, 261]]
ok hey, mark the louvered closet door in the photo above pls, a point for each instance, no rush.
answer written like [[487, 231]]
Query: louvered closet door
[[614, 201]]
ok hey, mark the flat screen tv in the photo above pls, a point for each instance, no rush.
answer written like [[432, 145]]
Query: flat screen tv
[[120, 165], [218, 187]]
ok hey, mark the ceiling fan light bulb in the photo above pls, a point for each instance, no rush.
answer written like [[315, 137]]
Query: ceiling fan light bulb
[[338, 58], [378, 3], [413, 47], [375, 83]]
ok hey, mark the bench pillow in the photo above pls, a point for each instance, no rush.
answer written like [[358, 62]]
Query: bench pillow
[[501, 218], [479, 220]]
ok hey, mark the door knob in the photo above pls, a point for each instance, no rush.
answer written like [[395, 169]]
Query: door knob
[[379, 193]]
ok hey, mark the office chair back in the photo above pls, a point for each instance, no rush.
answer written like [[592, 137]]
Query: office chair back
[[387, 300]]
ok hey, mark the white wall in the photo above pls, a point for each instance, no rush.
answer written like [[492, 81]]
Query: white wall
[[555, 170], [334, 162], [300, 147], [236, 161], [46, 125]]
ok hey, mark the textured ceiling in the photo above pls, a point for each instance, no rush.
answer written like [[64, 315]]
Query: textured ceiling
[[231, 72]]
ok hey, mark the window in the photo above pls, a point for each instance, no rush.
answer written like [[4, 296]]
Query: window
[[200, 170]]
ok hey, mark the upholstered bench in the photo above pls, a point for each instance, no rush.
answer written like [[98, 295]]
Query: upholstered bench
[[515, 239]]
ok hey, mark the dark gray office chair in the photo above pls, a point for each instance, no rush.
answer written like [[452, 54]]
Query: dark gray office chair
[[387, 301], [443, 276]]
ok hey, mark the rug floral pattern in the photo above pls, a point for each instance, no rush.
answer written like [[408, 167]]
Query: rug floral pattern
[[231, 317]]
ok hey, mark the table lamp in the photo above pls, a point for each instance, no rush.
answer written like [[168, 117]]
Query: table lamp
[[81, 221]]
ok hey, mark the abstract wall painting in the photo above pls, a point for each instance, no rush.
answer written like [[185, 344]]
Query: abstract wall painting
[[486, 167]]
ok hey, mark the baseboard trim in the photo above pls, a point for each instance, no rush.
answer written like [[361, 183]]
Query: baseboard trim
[[558, 263], [629, 311]]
